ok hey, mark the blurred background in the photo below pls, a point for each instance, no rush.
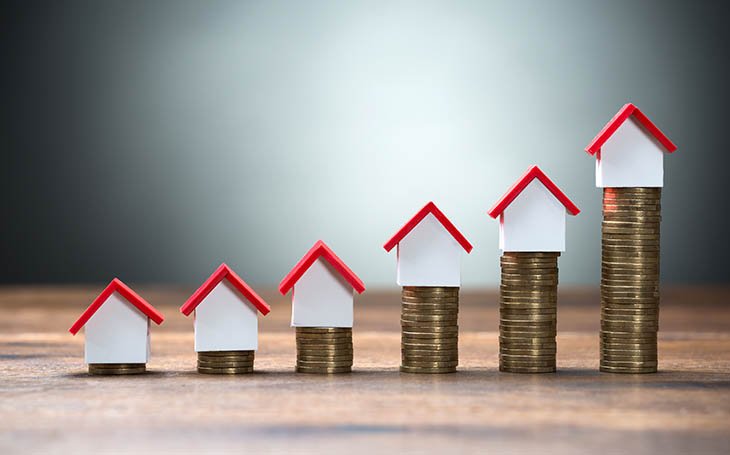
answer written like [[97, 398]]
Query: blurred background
[[152, 140]]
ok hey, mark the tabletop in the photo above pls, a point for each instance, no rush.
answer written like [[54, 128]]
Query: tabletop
[[50, 404]]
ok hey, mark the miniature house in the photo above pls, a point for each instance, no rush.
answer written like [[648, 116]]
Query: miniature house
[[429, 250], [323, 289], [629, 151], [226, 313], [116, 325], [532, 214]]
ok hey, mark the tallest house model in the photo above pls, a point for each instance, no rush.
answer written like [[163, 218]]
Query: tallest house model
[[629, 153]]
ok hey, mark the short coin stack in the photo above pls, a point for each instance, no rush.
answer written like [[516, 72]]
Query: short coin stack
[[528, 304], [225, 362], [630, 279], [112, 369], [324, 350], [430, 331]]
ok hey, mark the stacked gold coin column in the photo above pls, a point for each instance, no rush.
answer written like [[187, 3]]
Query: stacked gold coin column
[[116, 369], [430, 331], [528, 301], [630, 279], [324, 350], [225, 362]]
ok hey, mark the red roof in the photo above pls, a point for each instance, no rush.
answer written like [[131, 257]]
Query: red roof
[[418, 217], [224, 272], [618, 119], [521, 184], [132, 297], [320, 249]]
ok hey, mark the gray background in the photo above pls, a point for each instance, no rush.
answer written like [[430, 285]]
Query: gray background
[[153, 140]]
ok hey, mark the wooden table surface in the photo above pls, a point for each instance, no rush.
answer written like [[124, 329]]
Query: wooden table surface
[[49, 404]]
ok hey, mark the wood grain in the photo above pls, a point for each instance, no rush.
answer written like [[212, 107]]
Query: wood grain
[[48, 403]]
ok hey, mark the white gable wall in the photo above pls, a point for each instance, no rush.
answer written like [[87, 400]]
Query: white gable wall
[[534, 221], [117, 333], [429, 256], [322, 298], [226, 321], [632, 157]]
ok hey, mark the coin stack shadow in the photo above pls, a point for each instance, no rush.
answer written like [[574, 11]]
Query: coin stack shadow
[[528, 304], [630, 280], [324, 350], [225, 362], [429, 329], [116, 369]]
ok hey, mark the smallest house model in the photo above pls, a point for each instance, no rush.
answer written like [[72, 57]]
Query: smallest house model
[[226, 313], [323, 289], [429, 250], [629, 151], [532, 214], [116, 325]]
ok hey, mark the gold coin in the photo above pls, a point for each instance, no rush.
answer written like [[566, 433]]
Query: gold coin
[[443, 346], [607, 369], [323, 370], [528, 370], [430, 329], [517, 345], [226, 353], [423, 312], [237, 370], [429, 363], [511, 365], [116, 369], [430, 290], [507, 311], [413, 369], [430, 305], [225, 359], [531, 254]]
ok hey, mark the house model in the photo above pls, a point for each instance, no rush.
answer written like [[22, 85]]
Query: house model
[[117, 326], [629, 151], [429, 250], [532, 214], [323, 289], [226, 313]]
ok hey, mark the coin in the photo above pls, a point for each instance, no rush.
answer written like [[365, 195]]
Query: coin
[[236, 370], [116, 369], [416, 369], [323, 370]]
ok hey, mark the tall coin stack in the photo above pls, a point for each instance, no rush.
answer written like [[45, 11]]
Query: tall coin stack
[[630, 279], [430, 331], [324, 350], [528, 304], [225, 362], [115, 369]]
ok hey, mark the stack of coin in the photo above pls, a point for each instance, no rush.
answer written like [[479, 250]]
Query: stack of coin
[[430, 330], [324, 350], [109, 369], [528, 304], [225, 362], [630, 279]]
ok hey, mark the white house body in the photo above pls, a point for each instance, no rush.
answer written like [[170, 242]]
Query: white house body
[[533, 221], [631, 157], [225, 321], [117, 332], [429, 256], [322, 298]]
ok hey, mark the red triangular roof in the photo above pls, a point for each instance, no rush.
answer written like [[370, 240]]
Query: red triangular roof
[[125, 291], [418, 217], [532, 173], [627, 111], [224, 272], [320, 249]]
